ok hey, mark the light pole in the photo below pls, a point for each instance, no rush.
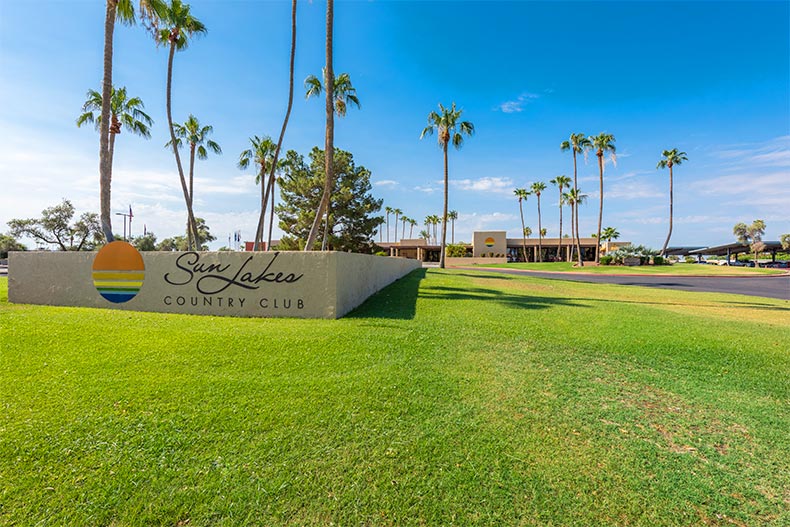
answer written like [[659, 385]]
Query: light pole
[[124, 222]]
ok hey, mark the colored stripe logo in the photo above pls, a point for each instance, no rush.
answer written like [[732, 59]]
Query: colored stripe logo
[[489, 242], [118, 272]]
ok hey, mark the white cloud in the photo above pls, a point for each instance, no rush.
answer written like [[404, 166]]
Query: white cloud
[[773, 153], [386, 183], [427, 190], [517, 105], [491, 185]]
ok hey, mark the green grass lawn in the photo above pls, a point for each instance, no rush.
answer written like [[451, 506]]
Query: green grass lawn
[[677, 269], [450, 398]]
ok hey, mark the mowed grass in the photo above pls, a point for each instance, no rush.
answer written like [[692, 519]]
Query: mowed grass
[[450, 398], [676, 269]]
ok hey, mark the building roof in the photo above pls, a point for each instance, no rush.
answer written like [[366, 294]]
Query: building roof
[[736, 248]]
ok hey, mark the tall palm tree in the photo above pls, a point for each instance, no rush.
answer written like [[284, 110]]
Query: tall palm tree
[[566, 199], [527, 231], [449, 129], [404, 220], [177, 27], [262, 155], [121, 11], [425, 235], [124, 111], [452, 216], [537, 188], [396, 212], [671, 158], [521, 194], [329, 139], [609, 234], [602, 143], [275, 165], [560, 182], [388, 210], [577, 144], [412, 224], [196, 136], [574, 199]]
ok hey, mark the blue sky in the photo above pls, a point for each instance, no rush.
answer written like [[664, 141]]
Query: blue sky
[[709, 78]]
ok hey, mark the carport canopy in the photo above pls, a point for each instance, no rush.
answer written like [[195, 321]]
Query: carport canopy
[[737, 248]]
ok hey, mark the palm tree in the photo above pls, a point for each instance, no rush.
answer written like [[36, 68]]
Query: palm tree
[[178, 26], [404, 220], [609, 234], [671, 158], [449, 128], [537, 188], [396, 212], [388, 210], [521, 194], [275, 165], [121, 11], [344, 91], [574, 197], [262, 154], [197, 136], [602, 143], [577, 144], [560, 182], [452, 216], [425, 235], [412, 224], [527, 231], [124, 111]]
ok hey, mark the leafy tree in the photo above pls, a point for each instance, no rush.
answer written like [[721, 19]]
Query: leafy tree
[[577, 144], [55, 227], [521, 194], [8, 243], [560, 182], [204, 234], [543, 232], [177, 27], [352, 221], [671, 158], [785, 240], [602, 143], [752, 235], [145, 242], [537, 188], [176, 243], [449, 128]]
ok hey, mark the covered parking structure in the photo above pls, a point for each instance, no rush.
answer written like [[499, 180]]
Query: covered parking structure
[[734, 249]]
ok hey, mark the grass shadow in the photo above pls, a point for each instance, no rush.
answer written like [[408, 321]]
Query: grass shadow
[[396, 301], [517, 301]]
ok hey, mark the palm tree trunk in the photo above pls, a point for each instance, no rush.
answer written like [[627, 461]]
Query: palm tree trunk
[[453, 225], [671, 203], [559, 240], [444, 210], [111, 151], [576, 214], [396, 227], [272, 179], [191, 185], [411, 230], [388, 227], [326, 227], [329, 148], [540, 235], [600, 209], [190, 216], [105, 164], [523, 230], [403, 231]]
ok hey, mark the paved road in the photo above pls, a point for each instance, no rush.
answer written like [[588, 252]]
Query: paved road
[[766, 286]]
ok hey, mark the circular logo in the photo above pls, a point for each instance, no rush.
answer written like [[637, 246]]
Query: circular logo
[[489, 242], [118, 272]]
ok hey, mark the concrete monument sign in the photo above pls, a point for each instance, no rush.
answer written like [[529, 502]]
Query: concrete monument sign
[[262, 284]]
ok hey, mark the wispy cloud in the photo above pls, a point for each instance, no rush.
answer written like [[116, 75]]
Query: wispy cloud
[[517, 105], [773, 153], [491, 185], [390, 183], [426, 189]]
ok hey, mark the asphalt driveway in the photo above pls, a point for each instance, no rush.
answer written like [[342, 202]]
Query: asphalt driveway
[[770, 286]]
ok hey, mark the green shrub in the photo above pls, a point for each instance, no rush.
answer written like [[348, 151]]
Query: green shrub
[[456, 251], [690, 259], [380, 253], [607, 260], [659, 260]]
